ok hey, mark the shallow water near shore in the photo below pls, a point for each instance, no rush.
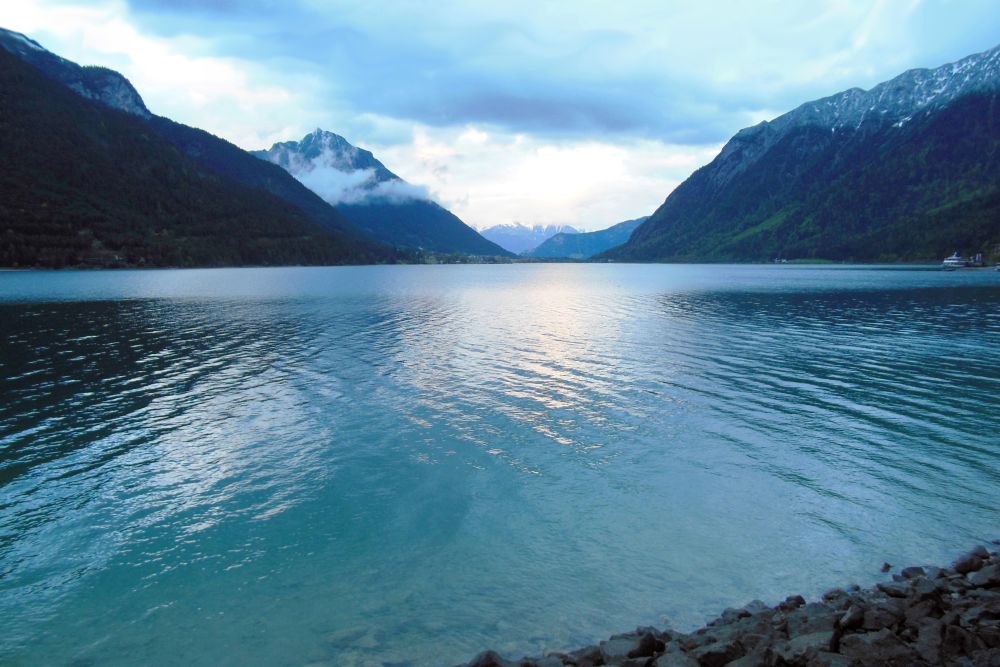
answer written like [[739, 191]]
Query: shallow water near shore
[[406, 465]]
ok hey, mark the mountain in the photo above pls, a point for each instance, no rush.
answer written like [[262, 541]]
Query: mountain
[[584, 245], [94, 83], [372, 197], [90, 178], [909, 170], [519, 238]]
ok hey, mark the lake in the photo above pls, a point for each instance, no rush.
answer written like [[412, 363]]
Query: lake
[[405, 465]]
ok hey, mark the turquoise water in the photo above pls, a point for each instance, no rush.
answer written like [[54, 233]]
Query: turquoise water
[[406, 465]]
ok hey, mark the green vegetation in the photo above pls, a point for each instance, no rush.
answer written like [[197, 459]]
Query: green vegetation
[[871, 194], [86, 185]]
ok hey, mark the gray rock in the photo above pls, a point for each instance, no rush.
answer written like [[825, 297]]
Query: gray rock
[[675, 658], [895, 590], [886, 567], [617, 649], [914, 613], [852, 618], [826, 659], [756, 659], [490, 659], [912, 572], [968, 563], [647, 645], [930, 632], [880, 617], [981, 551], [792, 602], [878, 649], [923, 589], [988, 576], [802, 648], [755, 607], [718, 653], [811, 618]]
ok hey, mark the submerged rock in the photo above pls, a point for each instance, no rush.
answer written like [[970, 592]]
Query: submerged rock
[[927, 616]]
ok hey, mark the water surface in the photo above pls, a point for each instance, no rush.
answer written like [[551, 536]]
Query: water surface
[[405, 465]]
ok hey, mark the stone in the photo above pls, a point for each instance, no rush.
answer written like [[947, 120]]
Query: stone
[[792, 602], [811, 618], [675, 659], [878, 649], [718, 653], [895, 590], [852, 618], [878, 618], [756, 659], [587, 657], [968, 563], [886, 567], [834, 593], [916, 612], [986, 577], [912, 572], [826, 659], [618, 648], [755, 607], [928, 643], [489, 659], [990, 658], [923, 589], [803, 647], [648, 645], [634, 662], [980, 551]]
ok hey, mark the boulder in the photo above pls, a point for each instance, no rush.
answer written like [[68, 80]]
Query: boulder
[[878, 649], [800, 649], [852, 618], [718, 653], [968, 563], [490, 659], [811, 618], [647, 645], [987, 577]]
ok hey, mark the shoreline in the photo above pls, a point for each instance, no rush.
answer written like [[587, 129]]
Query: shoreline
[[926, 615]]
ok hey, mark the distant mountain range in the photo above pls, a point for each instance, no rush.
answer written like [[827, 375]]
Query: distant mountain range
[[584, 245], [91, 178], [519, 239], [378, 201], [909, 170]]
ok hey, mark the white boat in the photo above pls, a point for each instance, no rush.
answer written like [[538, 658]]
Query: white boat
[[956, 261]]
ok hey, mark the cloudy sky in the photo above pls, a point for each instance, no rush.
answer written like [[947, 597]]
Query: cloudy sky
[[583, 113]]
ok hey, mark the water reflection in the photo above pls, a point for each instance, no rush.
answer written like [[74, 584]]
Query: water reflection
[[411, 463]]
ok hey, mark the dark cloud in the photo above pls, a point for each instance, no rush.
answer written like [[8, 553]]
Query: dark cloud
[[552, 73]]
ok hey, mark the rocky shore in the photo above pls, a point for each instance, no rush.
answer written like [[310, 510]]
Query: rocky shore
[[924, 616]]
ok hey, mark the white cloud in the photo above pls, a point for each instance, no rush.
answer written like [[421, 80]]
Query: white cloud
[[488, 177], [229, 97]]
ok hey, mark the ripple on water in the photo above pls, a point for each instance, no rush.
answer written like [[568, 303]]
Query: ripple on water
[[388, 464]]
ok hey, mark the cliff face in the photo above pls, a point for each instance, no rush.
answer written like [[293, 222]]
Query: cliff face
[[906, 170], [94, 83]]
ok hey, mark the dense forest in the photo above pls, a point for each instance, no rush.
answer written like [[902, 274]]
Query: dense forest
[[87, 185], [878, 192]]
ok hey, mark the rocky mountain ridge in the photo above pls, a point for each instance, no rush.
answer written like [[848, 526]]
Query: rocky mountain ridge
[[92, 82], [519, 238], [583, 245], [908, 171], [373, 198]]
